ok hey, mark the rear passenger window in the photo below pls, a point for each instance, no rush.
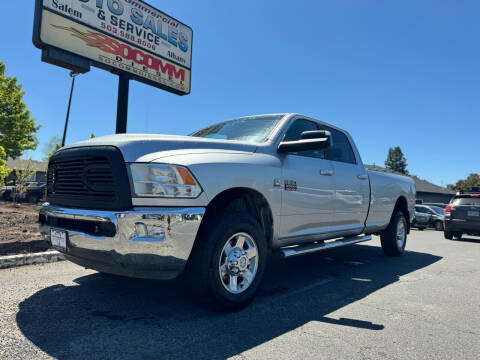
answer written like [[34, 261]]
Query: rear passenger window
[[341, 149], [467, 201]]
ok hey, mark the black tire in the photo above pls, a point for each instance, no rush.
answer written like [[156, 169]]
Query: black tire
[[421, 228], [438, 225], [448, 235], [203, 273], [388, 237], [457, 235]]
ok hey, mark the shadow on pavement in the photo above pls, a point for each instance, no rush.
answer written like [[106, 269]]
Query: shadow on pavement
[[352, 322], [468, 239], [111, 317]]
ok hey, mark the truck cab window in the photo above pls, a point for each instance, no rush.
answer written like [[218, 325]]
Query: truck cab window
[[294, 133]]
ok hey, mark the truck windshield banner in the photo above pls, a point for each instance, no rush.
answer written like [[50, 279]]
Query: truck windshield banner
[[128, 35]]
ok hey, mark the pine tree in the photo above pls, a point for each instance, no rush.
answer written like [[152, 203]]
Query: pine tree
[[17, 128], [396, 161]]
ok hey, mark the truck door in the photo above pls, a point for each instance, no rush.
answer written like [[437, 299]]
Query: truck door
[[308, 190], [352, 188]]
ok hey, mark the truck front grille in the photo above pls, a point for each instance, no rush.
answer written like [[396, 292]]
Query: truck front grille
[[82, 176], [90, 177]]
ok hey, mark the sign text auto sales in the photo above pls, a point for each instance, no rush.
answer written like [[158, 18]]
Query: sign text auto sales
[[124, 34]]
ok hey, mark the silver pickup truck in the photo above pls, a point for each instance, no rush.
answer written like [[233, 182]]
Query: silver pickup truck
[[213, 204]]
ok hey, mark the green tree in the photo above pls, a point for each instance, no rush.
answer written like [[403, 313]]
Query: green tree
[[92, 135], [49, 155], [396, 161], [17, 128], [51, 146], [4, 171], [472, 180]]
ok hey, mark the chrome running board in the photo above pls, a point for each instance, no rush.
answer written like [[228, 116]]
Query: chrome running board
[[319, 246]]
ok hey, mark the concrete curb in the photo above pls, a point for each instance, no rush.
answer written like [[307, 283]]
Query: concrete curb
[[30, 259]]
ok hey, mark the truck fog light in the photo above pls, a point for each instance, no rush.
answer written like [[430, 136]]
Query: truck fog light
[[141, 229]]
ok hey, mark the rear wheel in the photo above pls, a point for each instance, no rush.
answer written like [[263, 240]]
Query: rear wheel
[[394, 237], [448, 235], [227, 265], [457, 235]]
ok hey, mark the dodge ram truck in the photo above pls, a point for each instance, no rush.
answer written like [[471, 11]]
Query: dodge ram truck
[[214, 204]]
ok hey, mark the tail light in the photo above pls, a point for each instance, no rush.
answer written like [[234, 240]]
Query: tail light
[[449, 208]]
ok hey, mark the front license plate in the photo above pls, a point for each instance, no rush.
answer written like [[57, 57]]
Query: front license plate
[[474, 213], [58, 239]]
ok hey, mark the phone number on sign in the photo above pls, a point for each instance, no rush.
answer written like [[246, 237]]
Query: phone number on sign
[[113, 30]]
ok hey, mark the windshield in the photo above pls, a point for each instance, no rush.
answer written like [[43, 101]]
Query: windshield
[[438, 210], [254, 129]]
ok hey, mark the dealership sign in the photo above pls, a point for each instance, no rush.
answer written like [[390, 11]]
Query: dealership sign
[[121, 36]]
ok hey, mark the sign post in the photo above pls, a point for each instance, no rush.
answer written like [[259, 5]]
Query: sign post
[[126, 37], [122, 103]]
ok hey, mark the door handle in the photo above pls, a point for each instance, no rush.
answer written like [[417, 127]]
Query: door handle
[[362, 177], [325, 172]]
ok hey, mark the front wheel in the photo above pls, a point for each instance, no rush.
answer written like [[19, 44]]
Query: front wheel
[[228, 263], [394, 237], [439, 226]]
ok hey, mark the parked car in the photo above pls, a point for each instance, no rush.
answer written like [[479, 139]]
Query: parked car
[[35, 192], [435, 215], [6, 192], [462, 215], [284, 183], [440, 205], [421, 219]]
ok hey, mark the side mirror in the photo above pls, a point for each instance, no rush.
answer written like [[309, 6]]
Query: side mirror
[[309, 141], [316, 134]]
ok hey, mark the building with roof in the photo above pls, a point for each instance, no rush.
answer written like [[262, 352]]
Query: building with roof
[[39, 168], [426, 191], [431, 193]]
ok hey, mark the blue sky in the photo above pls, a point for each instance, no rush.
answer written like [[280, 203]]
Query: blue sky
[[392, 73]]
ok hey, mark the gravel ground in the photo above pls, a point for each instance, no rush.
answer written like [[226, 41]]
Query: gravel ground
[[343, 303], [19, 229]]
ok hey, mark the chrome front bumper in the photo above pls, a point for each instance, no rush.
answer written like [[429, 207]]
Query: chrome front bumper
[[146, 242]]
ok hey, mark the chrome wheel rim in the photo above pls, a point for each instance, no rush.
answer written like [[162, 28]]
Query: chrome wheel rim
[[238, 263], [401, 234]]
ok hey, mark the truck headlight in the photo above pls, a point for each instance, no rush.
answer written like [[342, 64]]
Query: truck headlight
[[163, 180]]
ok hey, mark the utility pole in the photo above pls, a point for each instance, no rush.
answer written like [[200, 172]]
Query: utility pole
[[73, 75]]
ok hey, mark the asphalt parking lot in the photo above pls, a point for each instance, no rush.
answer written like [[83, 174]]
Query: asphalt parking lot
[[344, 303]]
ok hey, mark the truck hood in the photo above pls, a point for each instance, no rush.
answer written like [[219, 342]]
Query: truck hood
[[147, 147]]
